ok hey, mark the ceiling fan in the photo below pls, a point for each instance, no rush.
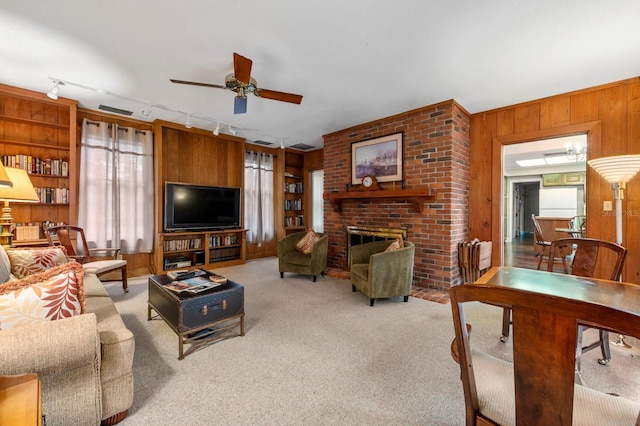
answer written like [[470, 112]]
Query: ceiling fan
[[242, 83]]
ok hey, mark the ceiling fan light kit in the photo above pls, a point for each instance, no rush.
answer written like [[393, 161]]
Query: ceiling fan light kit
[[242, 83]]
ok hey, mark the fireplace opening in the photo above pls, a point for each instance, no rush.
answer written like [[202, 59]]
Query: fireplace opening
[[366, 234]]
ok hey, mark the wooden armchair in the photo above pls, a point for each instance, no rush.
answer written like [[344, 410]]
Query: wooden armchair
[[538, 386], [545, 245], [73, 240]]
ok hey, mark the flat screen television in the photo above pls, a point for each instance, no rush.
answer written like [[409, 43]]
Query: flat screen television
[[189, 207]]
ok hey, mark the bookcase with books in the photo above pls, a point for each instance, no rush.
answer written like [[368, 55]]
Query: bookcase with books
[[294, 192], [183, 249], [38, 135]]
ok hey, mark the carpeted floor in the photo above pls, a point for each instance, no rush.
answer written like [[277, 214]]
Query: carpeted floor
[[318, 354]]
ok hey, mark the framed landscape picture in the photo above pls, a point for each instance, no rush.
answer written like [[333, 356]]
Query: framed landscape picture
[[380, 157]]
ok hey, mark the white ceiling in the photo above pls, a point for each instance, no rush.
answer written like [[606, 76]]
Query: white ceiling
[[353, 61]]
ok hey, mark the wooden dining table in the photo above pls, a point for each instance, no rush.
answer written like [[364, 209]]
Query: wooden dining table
[[616, 295]]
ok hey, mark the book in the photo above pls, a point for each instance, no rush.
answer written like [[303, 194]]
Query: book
[[219, 279], [191, 286], [182, 275]]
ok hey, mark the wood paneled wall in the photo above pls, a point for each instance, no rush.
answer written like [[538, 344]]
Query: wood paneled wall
[[608, 114]]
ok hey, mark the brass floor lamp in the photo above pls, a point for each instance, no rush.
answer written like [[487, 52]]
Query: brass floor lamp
[[617, 170]]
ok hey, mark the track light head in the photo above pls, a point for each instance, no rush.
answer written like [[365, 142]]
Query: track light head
[[281, 143], [232, 130], [216, 131], [187, 123], [53, 93], [147, 111]]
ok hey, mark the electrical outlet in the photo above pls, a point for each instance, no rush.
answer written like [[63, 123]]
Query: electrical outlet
[[607, 206]]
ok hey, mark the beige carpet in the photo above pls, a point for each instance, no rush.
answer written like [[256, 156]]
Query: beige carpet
[[317, 354]]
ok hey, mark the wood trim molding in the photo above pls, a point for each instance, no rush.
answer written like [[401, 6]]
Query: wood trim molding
[[593, 131]]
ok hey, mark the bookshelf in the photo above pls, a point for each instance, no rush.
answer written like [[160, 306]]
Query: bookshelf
[[39, 135], [294, 203], [206, 249]]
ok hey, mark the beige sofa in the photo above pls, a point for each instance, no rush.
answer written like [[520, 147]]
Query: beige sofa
[[84, 362]]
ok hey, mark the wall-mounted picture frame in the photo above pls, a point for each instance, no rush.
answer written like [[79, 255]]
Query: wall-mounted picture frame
[[380, 157]]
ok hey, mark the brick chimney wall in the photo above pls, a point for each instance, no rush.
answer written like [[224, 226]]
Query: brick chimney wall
[[435, 154]]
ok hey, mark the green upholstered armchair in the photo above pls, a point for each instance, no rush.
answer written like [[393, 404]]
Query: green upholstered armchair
[[291, 260], [377, 273]]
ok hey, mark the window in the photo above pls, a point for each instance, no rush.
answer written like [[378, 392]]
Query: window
[[116, 187]]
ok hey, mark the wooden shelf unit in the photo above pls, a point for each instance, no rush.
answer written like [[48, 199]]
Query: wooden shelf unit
[[31, 124], [198, 157], [295, 198], [218, 248]]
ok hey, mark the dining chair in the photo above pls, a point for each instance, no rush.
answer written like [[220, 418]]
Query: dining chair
[[587, 261], [544, 245], [546, 252], [579, 224], [536, 385], [98, 261]]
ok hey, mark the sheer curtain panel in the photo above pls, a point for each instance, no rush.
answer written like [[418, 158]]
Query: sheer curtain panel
[[258, 196], [116, 187]]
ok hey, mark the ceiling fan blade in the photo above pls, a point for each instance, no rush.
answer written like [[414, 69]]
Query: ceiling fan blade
[[193, 83], [278, 96], [242, 68], [240, 105]]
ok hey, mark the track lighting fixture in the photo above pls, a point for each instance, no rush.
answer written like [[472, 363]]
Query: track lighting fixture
[[148, 108], [281, 143], [53, 93]]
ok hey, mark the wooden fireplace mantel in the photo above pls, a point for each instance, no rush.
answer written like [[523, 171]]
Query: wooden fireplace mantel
[[415, 196]]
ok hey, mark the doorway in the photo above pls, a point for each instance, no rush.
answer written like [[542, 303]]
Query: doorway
[[526, 202], [528, 169]]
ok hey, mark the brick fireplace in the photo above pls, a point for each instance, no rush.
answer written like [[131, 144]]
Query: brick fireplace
[[435, 154]]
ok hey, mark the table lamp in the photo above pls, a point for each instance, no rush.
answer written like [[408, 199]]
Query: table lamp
[[22, 191], [617, 170], [4, 178]]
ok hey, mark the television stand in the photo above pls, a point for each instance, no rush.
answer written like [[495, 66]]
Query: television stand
[[221, 248]]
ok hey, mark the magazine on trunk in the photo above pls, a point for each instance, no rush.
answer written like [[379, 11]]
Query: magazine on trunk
[[196, 285]]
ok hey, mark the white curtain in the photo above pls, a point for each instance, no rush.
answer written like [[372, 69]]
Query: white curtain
[[116, 187], [258, 196]]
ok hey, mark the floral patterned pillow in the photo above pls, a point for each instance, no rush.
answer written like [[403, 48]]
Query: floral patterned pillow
[[31, 260], [397, 244], [305, 245], [54, 294]]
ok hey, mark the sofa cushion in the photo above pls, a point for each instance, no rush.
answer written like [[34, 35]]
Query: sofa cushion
[[297, 258], [31, 260], [5, 266], [305, 245], [54, 294]]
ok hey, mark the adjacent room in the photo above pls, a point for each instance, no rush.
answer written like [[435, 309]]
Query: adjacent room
[[284, 213]]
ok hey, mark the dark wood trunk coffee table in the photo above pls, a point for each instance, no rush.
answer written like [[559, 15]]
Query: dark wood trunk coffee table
[[199, 320]]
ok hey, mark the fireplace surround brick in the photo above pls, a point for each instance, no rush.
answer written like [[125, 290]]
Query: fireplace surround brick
[[435, 154]]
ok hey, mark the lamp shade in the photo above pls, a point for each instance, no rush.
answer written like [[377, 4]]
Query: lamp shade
[[4, 177], [22, 190], [620, 168]]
